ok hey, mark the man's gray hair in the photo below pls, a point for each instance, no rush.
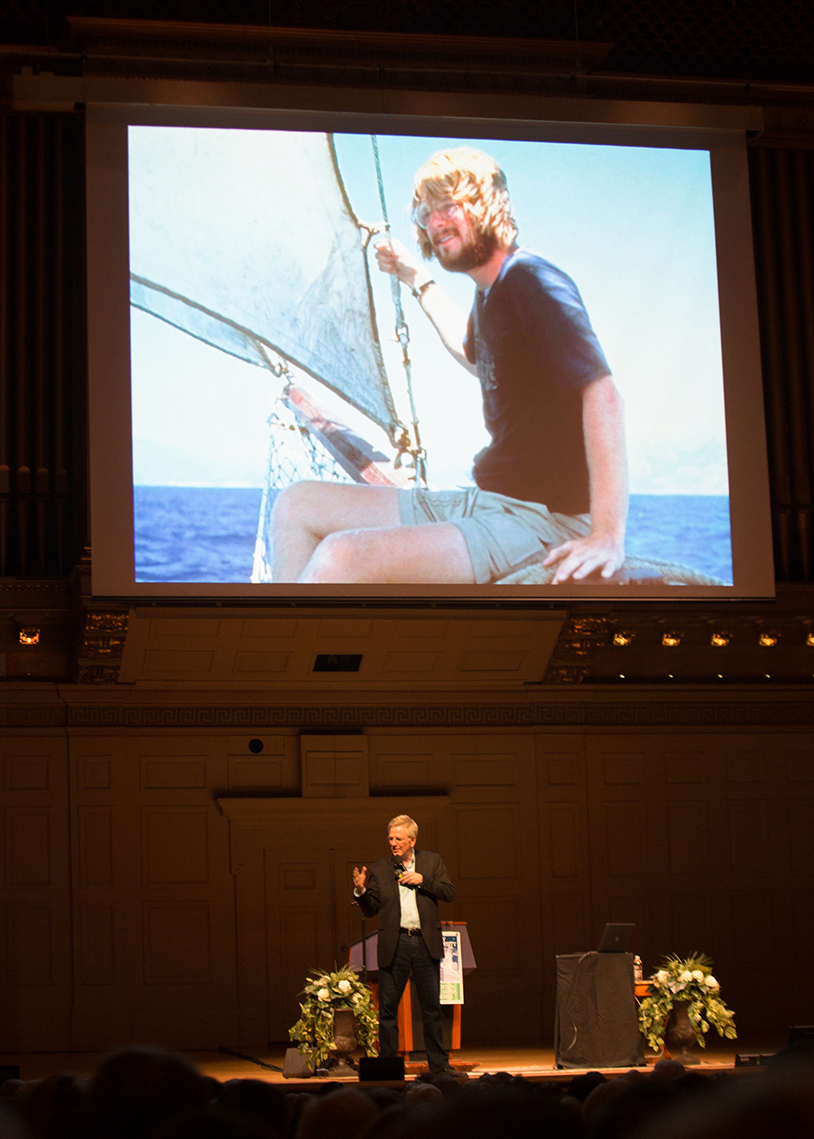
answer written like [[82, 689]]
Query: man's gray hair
[[405, 821]]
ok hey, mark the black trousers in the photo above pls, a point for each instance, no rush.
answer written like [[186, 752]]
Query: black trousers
[[412, 956]]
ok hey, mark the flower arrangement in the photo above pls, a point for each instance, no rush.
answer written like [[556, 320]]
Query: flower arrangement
[[324, 994], [688, 980]]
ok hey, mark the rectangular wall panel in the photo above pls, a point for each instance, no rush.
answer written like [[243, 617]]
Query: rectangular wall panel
[[626, 838], [28, 847], [95, 846], [687, 837], [478, 858], [262, 774], [174, 845], [161, 772], [177, 947], [94, 774], [27, 774], [29, 945], [97, 943], [748, 837], [495, 770], [563, 833]]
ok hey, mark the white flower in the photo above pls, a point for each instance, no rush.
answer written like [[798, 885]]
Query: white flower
[[357, 998], [685, 976], [326, 980], [662, 976], [324, 995], [344, 986], [711, 983], [697, 975]]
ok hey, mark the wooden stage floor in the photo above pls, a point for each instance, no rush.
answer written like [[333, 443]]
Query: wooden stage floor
[[533, 1063]]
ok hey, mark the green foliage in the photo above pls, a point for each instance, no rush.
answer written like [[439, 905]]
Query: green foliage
[[689, 979], [324, 993]]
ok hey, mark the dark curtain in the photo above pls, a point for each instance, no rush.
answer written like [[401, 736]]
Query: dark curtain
[[42, 337], [783, 216]]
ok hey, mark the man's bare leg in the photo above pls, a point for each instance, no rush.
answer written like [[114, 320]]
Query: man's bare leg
[[432, 553], [330, 533], [306, 512]]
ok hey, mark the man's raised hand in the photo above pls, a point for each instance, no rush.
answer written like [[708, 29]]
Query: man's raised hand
[[395, 258], [359, 878]]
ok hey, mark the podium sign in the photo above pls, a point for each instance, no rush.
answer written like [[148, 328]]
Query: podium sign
[[452, 969], [411, 1034]]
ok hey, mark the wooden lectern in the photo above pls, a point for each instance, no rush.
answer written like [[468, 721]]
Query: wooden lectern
[[411, 1033]]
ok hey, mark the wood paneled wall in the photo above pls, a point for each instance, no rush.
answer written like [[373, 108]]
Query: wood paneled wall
[[154, 889]]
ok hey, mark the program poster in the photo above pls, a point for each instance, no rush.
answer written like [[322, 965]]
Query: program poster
[[452, 970]]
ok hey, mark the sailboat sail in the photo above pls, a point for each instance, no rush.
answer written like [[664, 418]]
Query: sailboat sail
[[284, 269]]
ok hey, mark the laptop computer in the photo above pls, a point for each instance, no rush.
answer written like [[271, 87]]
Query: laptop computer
[[616, 937]]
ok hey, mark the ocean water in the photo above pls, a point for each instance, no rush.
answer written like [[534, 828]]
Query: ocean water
[[194, 533], [206, 534]]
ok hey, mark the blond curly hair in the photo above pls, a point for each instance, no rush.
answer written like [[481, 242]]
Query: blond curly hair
[[471, 177]]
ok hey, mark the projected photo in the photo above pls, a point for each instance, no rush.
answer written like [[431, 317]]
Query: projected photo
[[411, 360]]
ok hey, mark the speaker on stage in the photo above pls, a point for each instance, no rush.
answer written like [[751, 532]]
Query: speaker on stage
[[296, 1066], [381, 1068]]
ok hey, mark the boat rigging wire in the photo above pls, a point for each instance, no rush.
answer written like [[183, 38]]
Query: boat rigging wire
[[418, 453]]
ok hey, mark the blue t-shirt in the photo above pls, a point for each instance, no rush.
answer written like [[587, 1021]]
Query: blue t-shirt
[[535, 352]]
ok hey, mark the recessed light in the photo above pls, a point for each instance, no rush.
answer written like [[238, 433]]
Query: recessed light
[[720, 639], [623, 637]]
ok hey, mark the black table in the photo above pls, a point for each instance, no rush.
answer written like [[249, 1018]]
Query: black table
[[596, 1024]]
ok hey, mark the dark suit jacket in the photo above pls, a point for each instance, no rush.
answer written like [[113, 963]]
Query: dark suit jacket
[[382, 897]]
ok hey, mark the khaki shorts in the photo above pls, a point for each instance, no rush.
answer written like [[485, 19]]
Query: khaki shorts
[[499, 532]]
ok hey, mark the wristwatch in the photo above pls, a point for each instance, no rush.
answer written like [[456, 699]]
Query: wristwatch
[[419, 292]]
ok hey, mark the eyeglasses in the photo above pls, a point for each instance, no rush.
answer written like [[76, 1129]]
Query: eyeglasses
[[445, 210]]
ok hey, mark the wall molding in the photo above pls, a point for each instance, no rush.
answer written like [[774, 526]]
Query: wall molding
[[69, 708]]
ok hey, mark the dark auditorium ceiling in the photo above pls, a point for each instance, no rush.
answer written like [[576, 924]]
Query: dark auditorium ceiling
[[757, 41]]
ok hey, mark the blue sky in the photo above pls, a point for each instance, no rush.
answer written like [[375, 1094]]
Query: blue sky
[[634, 228]]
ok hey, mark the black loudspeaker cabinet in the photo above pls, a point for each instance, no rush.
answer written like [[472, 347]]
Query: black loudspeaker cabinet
[[380, 1068], [295, 1066], [597, 1024]]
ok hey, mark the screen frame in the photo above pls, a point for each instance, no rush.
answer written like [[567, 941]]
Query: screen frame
[[722, 130]]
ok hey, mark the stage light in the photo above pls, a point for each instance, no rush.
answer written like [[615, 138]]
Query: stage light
[[720, 639], [768, 675], [768, 640], [29, 635], [670, 640], [623, 637], [810, 640]]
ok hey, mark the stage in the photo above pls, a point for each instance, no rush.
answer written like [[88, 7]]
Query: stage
[[536, 1064]]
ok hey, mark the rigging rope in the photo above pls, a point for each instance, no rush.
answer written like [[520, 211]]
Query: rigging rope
[[402, 332]]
